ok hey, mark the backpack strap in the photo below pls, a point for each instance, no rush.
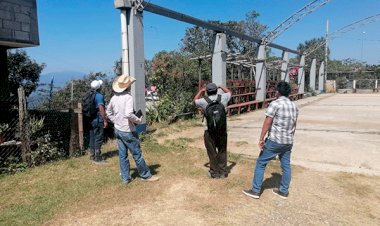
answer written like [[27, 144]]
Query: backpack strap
[[209, 101], [219, 98]]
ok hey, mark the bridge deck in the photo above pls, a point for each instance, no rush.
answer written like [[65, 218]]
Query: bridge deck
[[334, 133]]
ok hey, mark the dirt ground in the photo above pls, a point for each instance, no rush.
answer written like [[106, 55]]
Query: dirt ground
[[334, 133], [335, 176]]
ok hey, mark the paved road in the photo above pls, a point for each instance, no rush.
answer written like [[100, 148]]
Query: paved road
[[338, 132]]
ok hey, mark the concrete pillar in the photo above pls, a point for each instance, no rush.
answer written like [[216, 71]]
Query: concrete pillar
[[354, 84], [321, 77], [261, 76], [284, 67], [137, 62], [313, 72], [124, 16], [251, 73], [219, 59], [133, 54], [376, 84], [301, 76]]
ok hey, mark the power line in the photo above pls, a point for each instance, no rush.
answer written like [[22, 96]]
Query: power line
[[345, 29], [297, 16]]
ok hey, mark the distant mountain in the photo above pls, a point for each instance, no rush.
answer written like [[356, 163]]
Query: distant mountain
[[60, 78]]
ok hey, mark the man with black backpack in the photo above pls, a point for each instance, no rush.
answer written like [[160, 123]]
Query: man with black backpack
[[95, 117], [214, 107]]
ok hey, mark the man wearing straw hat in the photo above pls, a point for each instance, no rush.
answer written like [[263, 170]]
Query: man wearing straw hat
[[120, 112]]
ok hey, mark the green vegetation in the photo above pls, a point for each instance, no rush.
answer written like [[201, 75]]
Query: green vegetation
[[23, 71], [36, 195]]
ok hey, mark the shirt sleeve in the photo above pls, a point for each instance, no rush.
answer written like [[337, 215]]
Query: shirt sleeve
[[129, 112], [99, 99], [201, 103], [109, 112], [225, 98], [271, 110]]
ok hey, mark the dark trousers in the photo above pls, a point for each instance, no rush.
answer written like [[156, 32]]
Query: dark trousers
[[216, 145], [96, 138]]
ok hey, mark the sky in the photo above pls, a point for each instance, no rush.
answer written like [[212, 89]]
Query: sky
[[84, 35]]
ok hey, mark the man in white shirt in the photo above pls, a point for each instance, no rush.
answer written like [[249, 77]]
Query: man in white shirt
[[120, 112]]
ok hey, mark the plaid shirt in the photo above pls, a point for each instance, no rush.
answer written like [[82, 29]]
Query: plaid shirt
[[284, 113]]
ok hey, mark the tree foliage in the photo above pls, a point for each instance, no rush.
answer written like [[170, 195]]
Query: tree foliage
[[23, 71], [62, 97], [176, 84], [199, 41], [318, 54]]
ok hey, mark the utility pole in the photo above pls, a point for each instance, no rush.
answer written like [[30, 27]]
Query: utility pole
[[72, 91], [326, 55], [361, 54]]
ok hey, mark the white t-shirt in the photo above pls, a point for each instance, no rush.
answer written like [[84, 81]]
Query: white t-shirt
[[202, 103]]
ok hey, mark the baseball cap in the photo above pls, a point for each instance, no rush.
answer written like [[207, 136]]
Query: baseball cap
[[211, 87]]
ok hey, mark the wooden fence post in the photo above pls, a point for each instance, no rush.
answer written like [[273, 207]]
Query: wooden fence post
[[80, 126], [24, 127], [73, 147]]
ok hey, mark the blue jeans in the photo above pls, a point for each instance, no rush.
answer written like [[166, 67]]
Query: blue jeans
[[96, 139], [271, 150], [96, 135], [130, 140]]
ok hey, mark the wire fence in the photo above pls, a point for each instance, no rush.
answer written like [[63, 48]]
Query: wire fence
[[361, 84], [33, 133]]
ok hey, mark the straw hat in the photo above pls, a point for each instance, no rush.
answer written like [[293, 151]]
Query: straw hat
[[122, 83]]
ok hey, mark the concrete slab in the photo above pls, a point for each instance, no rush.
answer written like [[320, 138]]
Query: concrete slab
[[335, 132]]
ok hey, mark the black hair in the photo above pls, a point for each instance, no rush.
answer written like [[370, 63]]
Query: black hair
[[212, 92], [283, 88]]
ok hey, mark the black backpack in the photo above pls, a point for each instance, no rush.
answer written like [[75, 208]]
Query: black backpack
[[215, 114], [88, 102]]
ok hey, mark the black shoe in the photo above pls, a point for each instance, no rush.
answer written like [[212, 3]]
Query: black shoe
[[127, 182], [252, 194], [217, 176], [100, 161], [224, 175], [276, 191]]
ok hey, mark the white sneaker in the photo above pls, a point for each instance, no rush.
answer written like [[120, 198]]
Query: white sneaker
[[150, 179]]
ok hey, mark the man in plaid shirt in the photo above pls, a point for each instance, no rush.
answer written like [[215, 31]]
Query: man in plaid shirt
[[280, 124]]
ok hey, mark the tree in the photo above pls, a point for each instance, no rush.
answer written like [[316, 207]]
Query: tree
[[198, 41], [173, 74], [318, 54], [62, 97], [23, 71]]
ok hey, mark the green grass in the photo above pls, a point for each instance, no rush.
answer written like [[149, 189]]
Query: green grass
[[32, 197], [36, 195]]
